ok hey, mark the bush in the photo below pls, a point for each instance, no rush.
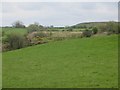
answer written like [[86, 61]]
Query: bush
[[35, 27], [37, 37], [3, 33], [95, 30], [110, 27], [5, 47], [32, 28], [87, 33], [15, 41], [69, 29]]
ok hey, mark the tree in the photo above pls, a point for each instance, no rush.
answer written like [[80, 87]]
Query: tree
[[18, 24], [34, 27]]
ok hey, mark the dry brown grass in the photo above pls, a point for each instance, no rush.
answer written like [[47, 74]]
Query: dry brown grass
[[66, 34], [53, 35]]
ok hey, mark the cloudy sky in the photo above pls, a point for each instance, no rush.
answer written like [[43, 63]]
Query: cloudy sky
[[58, 13]]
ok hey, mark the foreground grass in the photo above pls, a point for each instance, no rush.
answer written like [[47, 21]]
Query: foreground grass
[[78, 63]]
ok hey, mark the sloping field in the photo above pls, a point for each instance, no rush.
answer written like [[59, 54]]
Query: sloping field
[[76, 63]]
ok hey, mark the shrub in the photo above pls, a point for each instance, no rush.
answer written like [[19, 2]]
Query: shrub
[[110, 27], [37, 37], [5, 47], [87, 33], [95, 30], [15, 41], [3, 33], [69, 29], [32, 28]]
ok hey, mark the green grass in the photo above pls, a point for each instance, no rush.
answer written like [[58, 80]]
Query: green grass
[[76, 63], [21, 31], [8, 31]]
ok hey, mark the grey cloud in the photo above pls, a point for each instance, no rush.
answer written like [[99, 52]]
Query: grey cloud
[[58, 13]]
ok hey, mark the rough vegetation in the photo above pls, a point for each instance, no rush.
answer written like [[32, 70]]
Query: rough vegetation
[[38, 34]]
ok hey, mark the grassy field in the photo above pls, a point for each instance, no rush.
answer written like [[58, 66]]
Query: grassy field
[[79, 63], [8, 31], [21, 31]]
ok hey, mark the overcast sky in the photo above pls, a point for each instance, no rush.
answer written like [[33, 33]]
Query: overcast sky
[[58, 13]]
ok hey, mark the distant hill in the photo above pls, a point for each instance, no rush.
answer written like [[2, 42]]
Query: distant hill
[[89, 24]]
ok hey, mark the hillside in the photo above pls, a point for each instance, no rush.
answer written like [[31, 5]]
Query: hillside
[[87, 62], [90, 24]]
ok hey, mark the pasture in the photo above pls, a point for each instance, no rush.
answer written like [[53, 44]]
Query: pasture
[[75, 63], [21, 31]]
